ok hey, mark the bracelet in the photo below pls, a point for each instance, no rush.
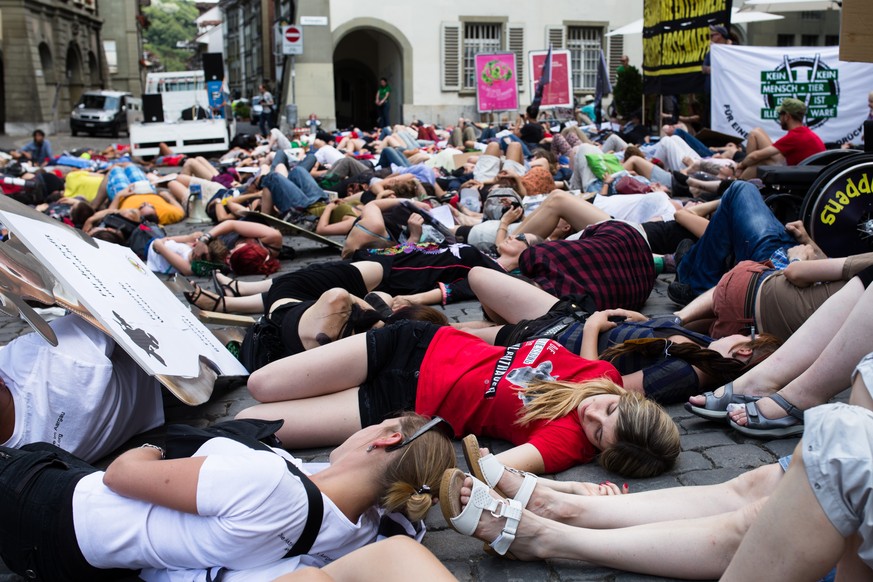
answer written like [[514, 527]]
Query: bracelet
[[156, 447], [502, 227], [205, 238]]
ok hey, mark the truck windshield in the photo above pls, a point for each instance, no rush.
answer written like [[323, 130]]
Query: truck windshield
[[98, 102]]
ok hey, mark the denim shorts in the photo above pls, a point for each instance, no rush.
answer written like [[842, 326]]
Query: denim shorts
[[394, 356], [37, 537]]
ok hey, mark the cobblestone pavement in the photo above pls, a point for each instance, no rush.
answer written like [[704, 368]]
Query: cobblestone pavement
[[710, 454]]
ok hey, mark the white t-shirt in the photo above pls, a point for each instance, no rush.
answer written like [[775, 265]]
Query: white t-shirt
[[158, 263], [328, 155], [84, 395], [250, 511]]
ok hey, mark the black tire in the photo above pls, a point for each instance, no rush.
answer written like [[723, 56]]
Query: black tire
[[838, 208]]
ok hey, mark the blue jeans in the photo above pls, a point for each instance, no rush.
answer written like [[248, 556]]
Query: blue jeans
[[524, 149], [742, 227], [288, 194], [696, 144], [307, 163], [392, 156], [265, 123], [382, 113]]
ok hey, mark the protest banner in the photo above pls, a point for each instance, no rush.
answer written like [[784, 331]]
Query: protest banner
[[749, 83], [675, 42]]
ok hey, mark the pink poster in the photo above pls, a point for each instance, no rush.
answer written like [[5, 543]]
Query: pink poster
[[496, 82], [559, 92]]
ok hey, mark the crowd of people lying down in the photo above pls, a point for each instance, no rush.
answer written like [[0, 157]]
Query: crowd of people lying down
[[559, 231]]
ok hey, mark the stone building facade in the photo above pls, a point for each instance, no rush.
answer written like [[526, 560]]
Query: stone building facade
[[50, 52], [122, 43]]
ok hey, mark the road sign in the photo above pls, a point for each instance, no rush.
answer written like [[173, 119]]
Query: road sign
[[292, 40]]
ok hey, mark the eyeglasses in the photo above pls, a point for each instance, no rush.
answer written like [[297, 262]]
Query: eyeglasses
[[436, 422], [523, 239]]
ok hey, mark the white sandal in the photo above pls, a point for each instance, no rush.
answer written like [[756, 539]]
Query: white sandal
[[490, 470], [465, 519]]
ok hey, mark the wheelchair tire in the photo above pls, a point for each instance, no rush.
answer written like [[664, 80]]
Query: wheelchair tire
[[838, 208]]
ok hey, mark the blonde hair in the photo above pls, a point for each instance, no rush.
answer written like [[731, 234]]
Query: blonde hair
[[412, 481], [647, 440]]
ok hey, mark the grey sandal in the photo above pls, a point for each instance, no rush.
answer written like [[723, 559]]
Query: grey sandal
[[759, 426], [715, 407]]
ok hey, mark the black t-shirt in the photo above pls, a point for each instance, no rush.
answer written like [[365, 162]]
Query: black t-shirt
[[531, 133]]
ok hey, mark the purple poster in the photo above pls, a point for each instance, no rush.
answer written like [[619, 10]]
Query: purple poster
[[496, 83]]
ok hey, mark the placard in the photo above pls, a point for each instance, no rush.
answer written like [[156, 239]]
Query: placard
[[496, 82], [559, 91]]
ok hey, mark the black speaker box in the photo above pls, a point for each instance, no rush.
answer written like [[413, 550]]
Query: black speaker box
[[152, 108], [213, 66]]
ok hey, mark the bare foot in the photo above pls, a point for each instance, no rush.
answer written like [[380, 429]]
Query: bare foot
[[766, 406]]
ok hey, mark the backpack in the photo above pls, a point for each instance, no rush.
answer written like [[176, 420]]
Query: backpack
[[140, 239]]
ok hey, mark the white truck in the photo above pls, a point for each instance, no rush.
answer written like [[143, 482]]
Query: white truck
[[189, 124]]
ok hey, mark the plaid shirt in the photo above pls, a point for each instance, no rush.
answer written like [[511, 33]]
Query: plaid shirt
[[120, 177], [612, 262]]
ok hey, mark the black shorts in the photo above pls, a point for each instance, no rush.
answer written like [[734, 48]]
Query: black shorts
[[37, 538], [394, 356], [664, 236], [310, 282]]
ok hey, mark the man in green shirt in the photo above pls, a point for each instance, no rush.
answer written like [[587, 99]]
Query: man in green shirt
[[382, 105]]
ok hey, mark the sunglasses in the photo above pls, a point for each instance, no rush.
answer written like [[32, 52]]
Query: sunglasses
[[523, 239], [436, 422]]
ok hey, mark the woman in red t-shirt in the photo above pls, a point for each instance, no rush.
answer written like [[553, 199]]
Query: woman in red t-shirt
[[557, 408]]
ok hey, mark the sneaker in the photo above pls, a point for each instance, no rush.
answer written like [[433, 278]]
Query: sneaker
[[681, 250], [680, 293]]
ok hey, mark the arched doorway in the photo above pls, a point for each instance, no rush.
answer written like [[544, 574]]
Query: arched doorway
[[96, 80], [360, 58], [74, 74]]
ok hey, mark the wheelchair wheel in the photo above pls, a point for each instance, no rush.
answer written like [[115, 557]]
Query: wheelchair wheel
[[838, 208]]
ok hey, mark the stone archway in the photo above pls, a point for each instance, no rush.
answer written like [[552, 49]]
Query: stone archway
[[366, 49], [73, 71]]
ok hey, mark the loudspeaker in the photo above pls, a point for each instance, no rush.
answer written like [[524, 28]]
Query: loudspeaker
[[152, 108], [213, 66]]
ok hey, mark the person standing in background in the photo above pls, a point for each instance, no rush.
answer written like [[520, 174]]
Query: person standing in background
[[382, 103], [265, 123]]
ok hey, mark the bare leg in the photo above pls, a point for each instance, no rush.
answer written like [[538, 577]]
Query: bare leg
[[578, 213], [692, 548], [320, 421], [390, 560], [825, 367], [699, 308], [639, 165], [510, 298], [327, 369], [179, 191], [515, 153], [245, 288], [372, 273], [792, 539], [806, 349]]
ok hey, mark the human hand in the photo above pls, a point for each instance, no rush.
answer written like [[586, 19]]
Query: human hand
[[798, 231], [599, 321], [801, 253], [414, 223], [512, 215]]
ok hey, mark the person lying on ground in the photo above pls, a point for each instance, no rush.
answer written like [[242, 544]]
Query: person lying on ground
[[697, 532], [781, 300], [656, 356], [508, 393], [233, 503], [810, 368]]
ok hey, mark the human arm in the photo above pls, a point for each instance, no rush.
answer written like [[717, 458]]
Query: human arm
[[516, 179], [798, 231], [597, 323], [692, 222], [95, 218], [509, 217], [805, 273], [181, 264], [756, 157], [142, 474], [414, 225]]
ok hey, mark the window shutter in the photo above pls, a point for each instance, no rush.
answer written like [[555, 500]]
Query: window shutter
[[616, 49], [555, 37], [516, 45], [450, 49]]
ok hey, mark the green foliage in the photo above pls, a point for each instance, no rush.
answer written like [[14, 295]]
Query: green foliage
[[171, 21], [628, 92]]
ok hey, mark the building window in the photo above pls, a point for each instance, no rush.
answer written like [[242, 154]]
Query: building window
[[809, 40], [784, 40], [479, 38], [584, 44], [811, 15], [111, 56]]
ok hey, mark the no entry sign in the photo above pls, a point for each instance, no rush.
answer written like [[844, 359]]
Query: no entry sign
[[292, 40]]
